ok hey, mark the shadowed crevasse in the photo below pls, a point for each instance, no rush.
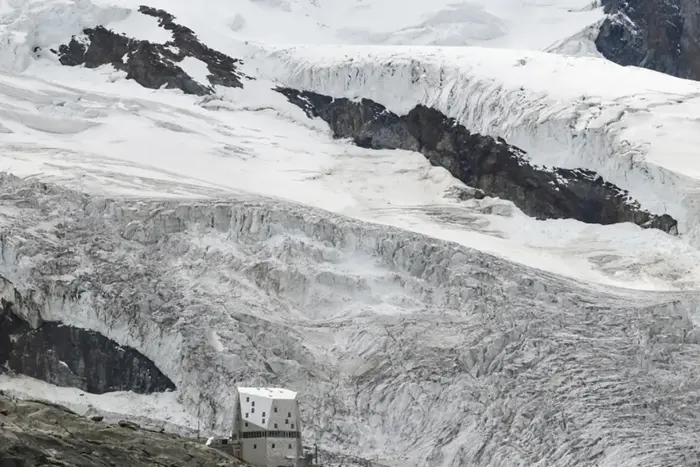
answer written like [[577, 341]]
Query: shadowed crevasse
[[482, 162], [72, 357], [153, 65]]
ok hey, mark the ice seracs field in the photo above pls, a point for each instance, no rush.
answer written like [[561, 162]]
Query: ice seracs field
[[464, 233]]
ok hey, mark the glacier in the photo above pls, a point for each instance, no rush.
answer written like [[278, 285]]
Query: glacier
[[601, 116], [230, 239], [404, 347]]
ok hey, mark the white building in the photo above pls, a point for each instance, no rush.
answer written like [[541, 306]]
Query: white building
[[267, 427]]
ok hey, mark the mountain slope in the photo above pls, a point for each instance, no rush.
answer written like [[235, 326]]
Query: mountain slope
[[659, 35], [34, 433], [172, 200]]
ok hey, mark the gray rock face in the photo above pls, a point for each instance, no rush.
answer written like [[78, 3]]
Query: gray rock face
[[73, 357], [153, 65], [660, 35], [33, 434], [482, 162]]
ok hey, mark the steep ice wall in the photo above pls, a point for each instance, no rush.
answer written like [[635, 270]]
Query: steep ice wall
[[73, 357], [28, 26], [405, 349], [564, 111]]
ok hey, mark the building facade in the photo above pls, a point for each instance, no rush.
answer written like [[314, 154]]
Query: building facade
[[267, 427]]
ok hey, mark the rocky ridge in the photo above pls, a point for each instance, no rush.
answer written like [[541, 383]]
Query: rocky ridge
[[660, 35], [34, 433], [485, 163], [150, 64]]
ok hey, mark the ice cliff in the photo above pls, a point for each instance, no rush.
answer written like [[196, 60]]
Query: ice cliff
[[402, 346]]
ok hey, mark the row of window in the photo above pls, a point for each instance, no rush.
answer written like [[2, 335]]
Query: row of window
[[255, 446], [263, 422], [252, 410], [269, 434]]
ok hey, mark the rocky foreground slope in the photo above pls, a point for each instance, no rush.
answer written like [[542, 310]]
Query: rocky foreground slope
[[34, 433]]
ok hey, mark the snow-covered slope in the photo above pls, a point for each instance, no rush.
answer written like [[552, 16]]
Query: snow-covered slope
[[252, 141], [230, 239], [499, 23], [564, 111], [154, 411]]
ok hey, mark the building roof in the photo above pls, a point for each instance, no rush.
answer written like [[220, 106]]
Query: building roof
[[270, 393]]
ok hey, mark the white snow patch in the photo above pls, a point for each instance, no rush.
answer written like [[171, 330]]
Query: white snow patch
[[142, 27], [196, 68], [215, 341]]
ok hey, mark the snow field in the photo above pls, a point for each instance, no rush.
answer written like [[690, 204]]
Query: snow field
[[163, 144], [564, 111]]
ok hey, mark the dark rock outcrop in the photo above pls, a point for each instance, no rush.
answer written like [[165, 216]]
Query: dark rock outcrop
[[73, 357], [33, 434], [660, 35], [152, 65], [482, 162]]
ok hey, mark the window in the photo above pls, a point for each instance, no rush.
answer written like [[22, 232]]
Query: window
[[264, 423], [288, 415], [292, 425], [275, 425], [273, 445], [275, 409], [246, 423], [286, 421], [246, 415], [247, 399], [255, 446], [263, 414], [290, 446], [253, 403], [252, 410]]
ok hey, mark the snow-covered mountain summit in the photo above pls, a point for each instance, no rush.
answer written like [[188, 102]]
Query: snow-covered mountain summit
[[456, 255]]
